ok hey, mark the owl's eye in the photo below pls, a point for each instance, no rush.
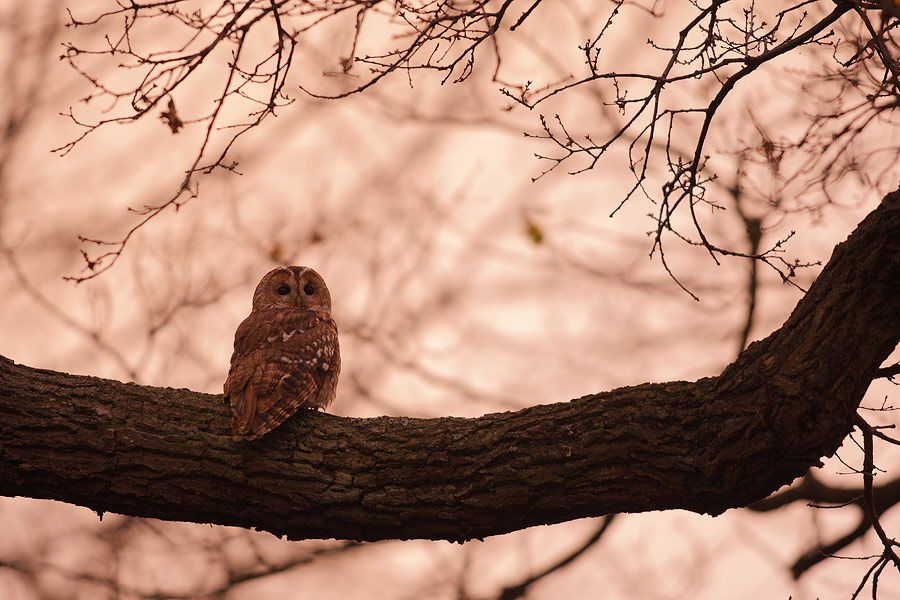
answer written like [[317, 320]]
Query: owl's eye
[[284, 289], [309, 289]]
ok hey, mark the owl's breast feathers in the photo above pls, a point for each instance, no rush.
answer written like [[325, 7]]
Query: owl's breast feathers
[[283, 359]]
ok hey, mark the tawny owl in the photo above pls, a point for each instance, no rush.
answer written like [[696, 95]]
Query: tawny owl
[[286, 353]]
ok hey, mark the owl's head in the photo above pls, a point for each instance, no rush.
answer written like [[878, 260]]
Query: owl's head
[[295, 287]]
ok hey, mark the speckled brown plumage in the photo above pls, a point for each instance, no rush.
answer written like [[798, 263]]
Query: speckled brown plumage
[[286, 353]]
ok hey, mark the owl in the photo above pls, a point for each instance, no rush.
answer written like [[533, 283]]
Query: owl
[[286, 353]]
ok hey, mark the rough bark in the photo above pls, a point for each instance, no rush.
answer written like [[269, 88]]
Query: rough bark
[[704, 446]]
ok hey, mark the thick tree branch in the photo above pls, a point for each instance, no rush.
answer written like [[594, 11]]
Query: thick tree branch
[[704, 446]]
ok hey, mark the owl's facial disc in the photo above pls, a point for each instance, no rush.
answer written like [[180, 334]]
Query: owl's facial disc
[[299, 287], [311, 291], [283, 288]]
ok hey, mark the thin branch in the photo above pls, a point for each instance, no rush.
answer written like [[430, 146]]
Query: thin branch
[[888, 372], [519, 590], [869, 505]]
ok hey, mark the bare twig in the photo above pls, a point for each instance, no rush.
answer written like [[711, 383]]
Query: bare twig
[[869, 497], [512, 592]]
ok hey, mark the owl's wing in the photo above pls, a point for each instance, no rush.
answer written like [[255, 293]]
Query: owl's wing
[[283, 359]]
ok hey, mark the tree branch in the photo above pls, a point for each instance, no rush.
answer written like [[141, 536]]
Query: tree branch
[[704, 446], [519, 590], [818, 494]]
